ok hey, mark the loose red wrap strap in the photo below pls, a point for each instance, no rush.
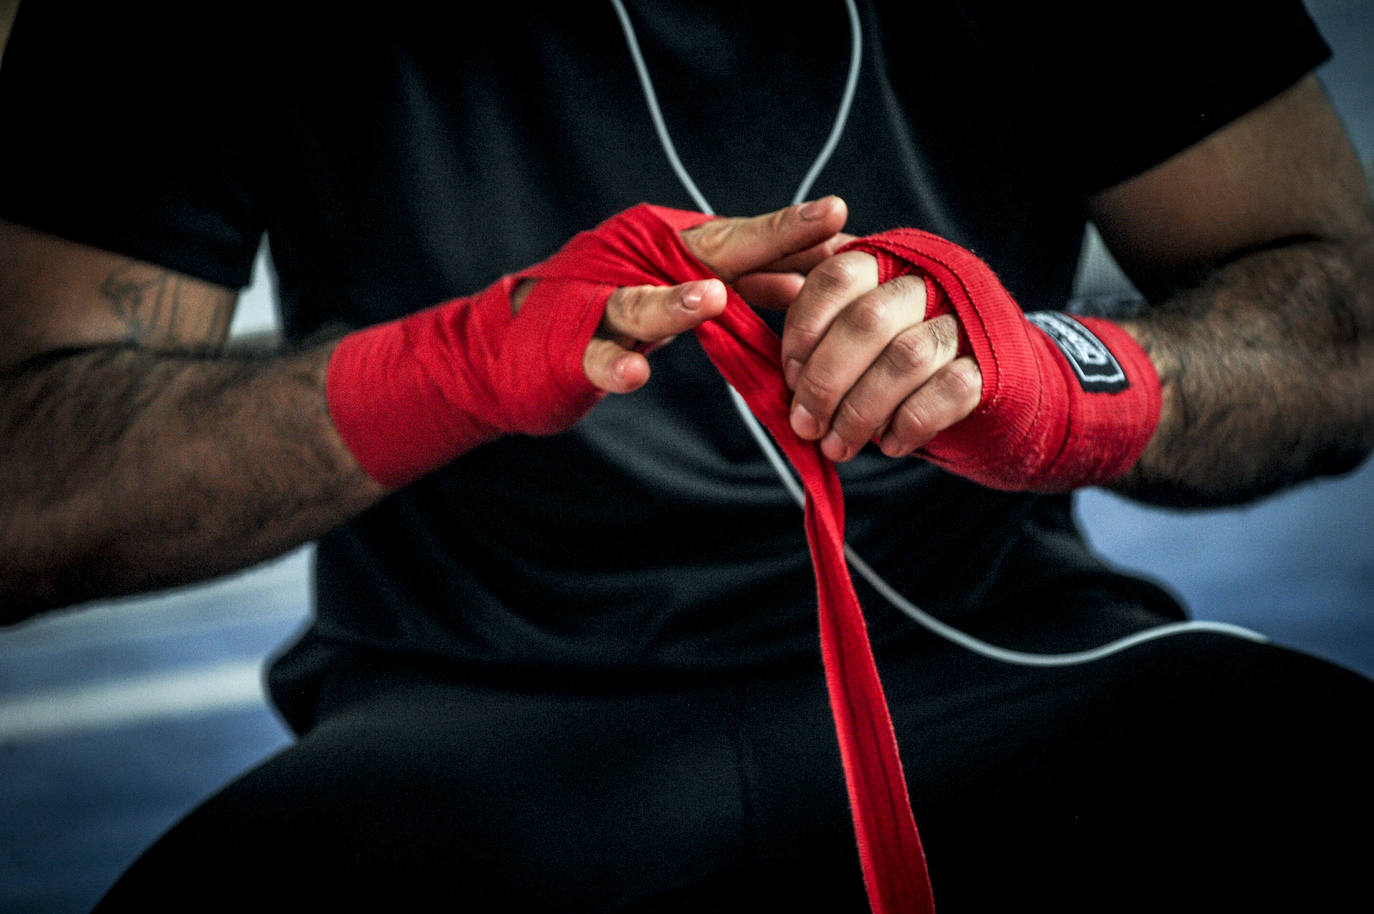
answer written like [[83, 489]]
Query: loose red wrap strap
[[747, 353]]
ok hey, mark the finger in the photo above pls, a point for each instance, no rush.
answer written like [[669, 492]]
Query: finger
[[776, 285], [826, 291], [947, 398], [912, 358], [807, 260], [775, 291], [852, 342], [613, 368], [732, 247], [649, 314]]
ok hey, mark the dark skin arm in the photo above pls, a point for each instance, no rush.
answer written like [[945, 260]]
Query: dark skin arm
[[1255, 250], [1258, 245], [138, 452]]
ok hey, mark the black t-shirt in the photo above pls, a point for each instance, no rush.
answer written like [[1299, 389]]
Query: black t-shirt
[[398, 159]]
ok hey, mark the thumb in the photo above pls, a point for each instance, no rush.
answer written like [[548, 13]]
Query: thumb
[[732, 247]]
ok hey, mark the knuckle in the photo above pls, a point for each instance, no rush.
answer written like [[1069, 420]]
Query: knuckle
[[869, 315], [853, 420], [633, 308], [962, 381], [619, 305], [818, 385], [945, 331], [887, 307], [911, 288], [800, 340], [912, 423], [775, 223], [910, 353], [837, 274], [707, 240]]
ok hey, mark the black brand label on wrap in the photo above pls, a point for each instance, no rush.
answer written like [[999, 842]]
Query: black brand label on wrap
[[1097, 369]]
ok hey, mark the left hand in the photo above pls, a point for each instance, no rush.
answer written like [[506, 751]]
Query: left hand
[[763, 257], [864, 364]]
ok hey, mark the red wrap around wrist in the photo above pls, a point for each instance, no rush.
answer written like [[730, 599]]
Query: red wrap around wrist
[[410, 395], [1067, 401]]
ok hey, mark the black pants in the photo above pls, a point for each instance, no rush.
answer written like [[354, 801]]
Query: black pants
[[1196, 773]]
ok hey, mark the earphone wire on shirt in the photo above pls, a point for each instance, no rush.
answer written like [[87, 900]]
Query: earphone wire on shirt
[[921, 617]]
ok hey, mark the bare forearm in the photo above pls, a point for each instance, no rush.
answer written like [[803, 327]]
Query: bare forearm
[[1267, 372], [126, 470]]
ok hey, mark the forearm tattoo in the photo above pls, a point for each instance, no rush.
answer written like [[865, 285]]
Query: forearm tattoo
[[162, 308]]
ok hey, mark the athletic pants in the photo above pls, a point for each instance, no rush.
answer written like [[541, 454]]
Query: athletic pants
[[1199, 772]]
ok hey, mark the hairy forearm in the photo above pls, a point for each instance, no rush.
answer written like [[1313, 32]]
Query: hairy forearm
[[1268, 375], [125, 469]]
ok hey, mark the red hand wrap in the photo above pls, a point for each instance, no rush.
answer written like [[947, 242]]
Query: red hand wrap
[[640, 246], [410, 395], [1055, 414]]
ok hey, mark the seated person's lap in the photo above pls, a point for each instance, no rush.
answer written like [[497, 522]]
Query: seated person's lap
[[1108, 786]]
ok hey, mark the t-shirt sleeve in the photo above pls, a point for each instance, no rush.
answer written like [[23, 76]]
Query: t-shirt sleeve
[[1106, 91], [128, 127]]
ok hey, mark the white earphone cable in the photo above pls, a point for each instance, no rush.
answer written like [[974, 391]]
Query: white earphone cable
[[770, 451]]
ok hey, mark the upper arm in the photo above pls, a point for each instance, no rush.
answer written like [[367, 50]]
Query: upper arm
[[1284, 171], [57, 294]]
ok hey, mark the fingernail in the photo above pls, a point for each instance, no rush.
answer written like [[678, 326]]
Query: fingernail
[[814, 210], [803, 423], [791, 371], [833, 447], [691, 298], [893, 446]]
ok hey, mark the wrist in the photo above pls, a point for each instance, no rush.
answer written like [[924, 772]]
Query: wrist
[[410, 395], [1114, 394], [388, 398]]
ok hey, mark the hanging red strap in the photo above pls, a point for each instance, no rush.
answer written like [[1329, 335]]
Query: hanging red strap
[[746, 352], [642, 245]]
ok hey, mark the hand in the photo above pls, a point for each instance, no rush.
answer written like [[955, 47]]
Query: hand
[[865, 364], [1042, 402], [533, 352], [764, 257]]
